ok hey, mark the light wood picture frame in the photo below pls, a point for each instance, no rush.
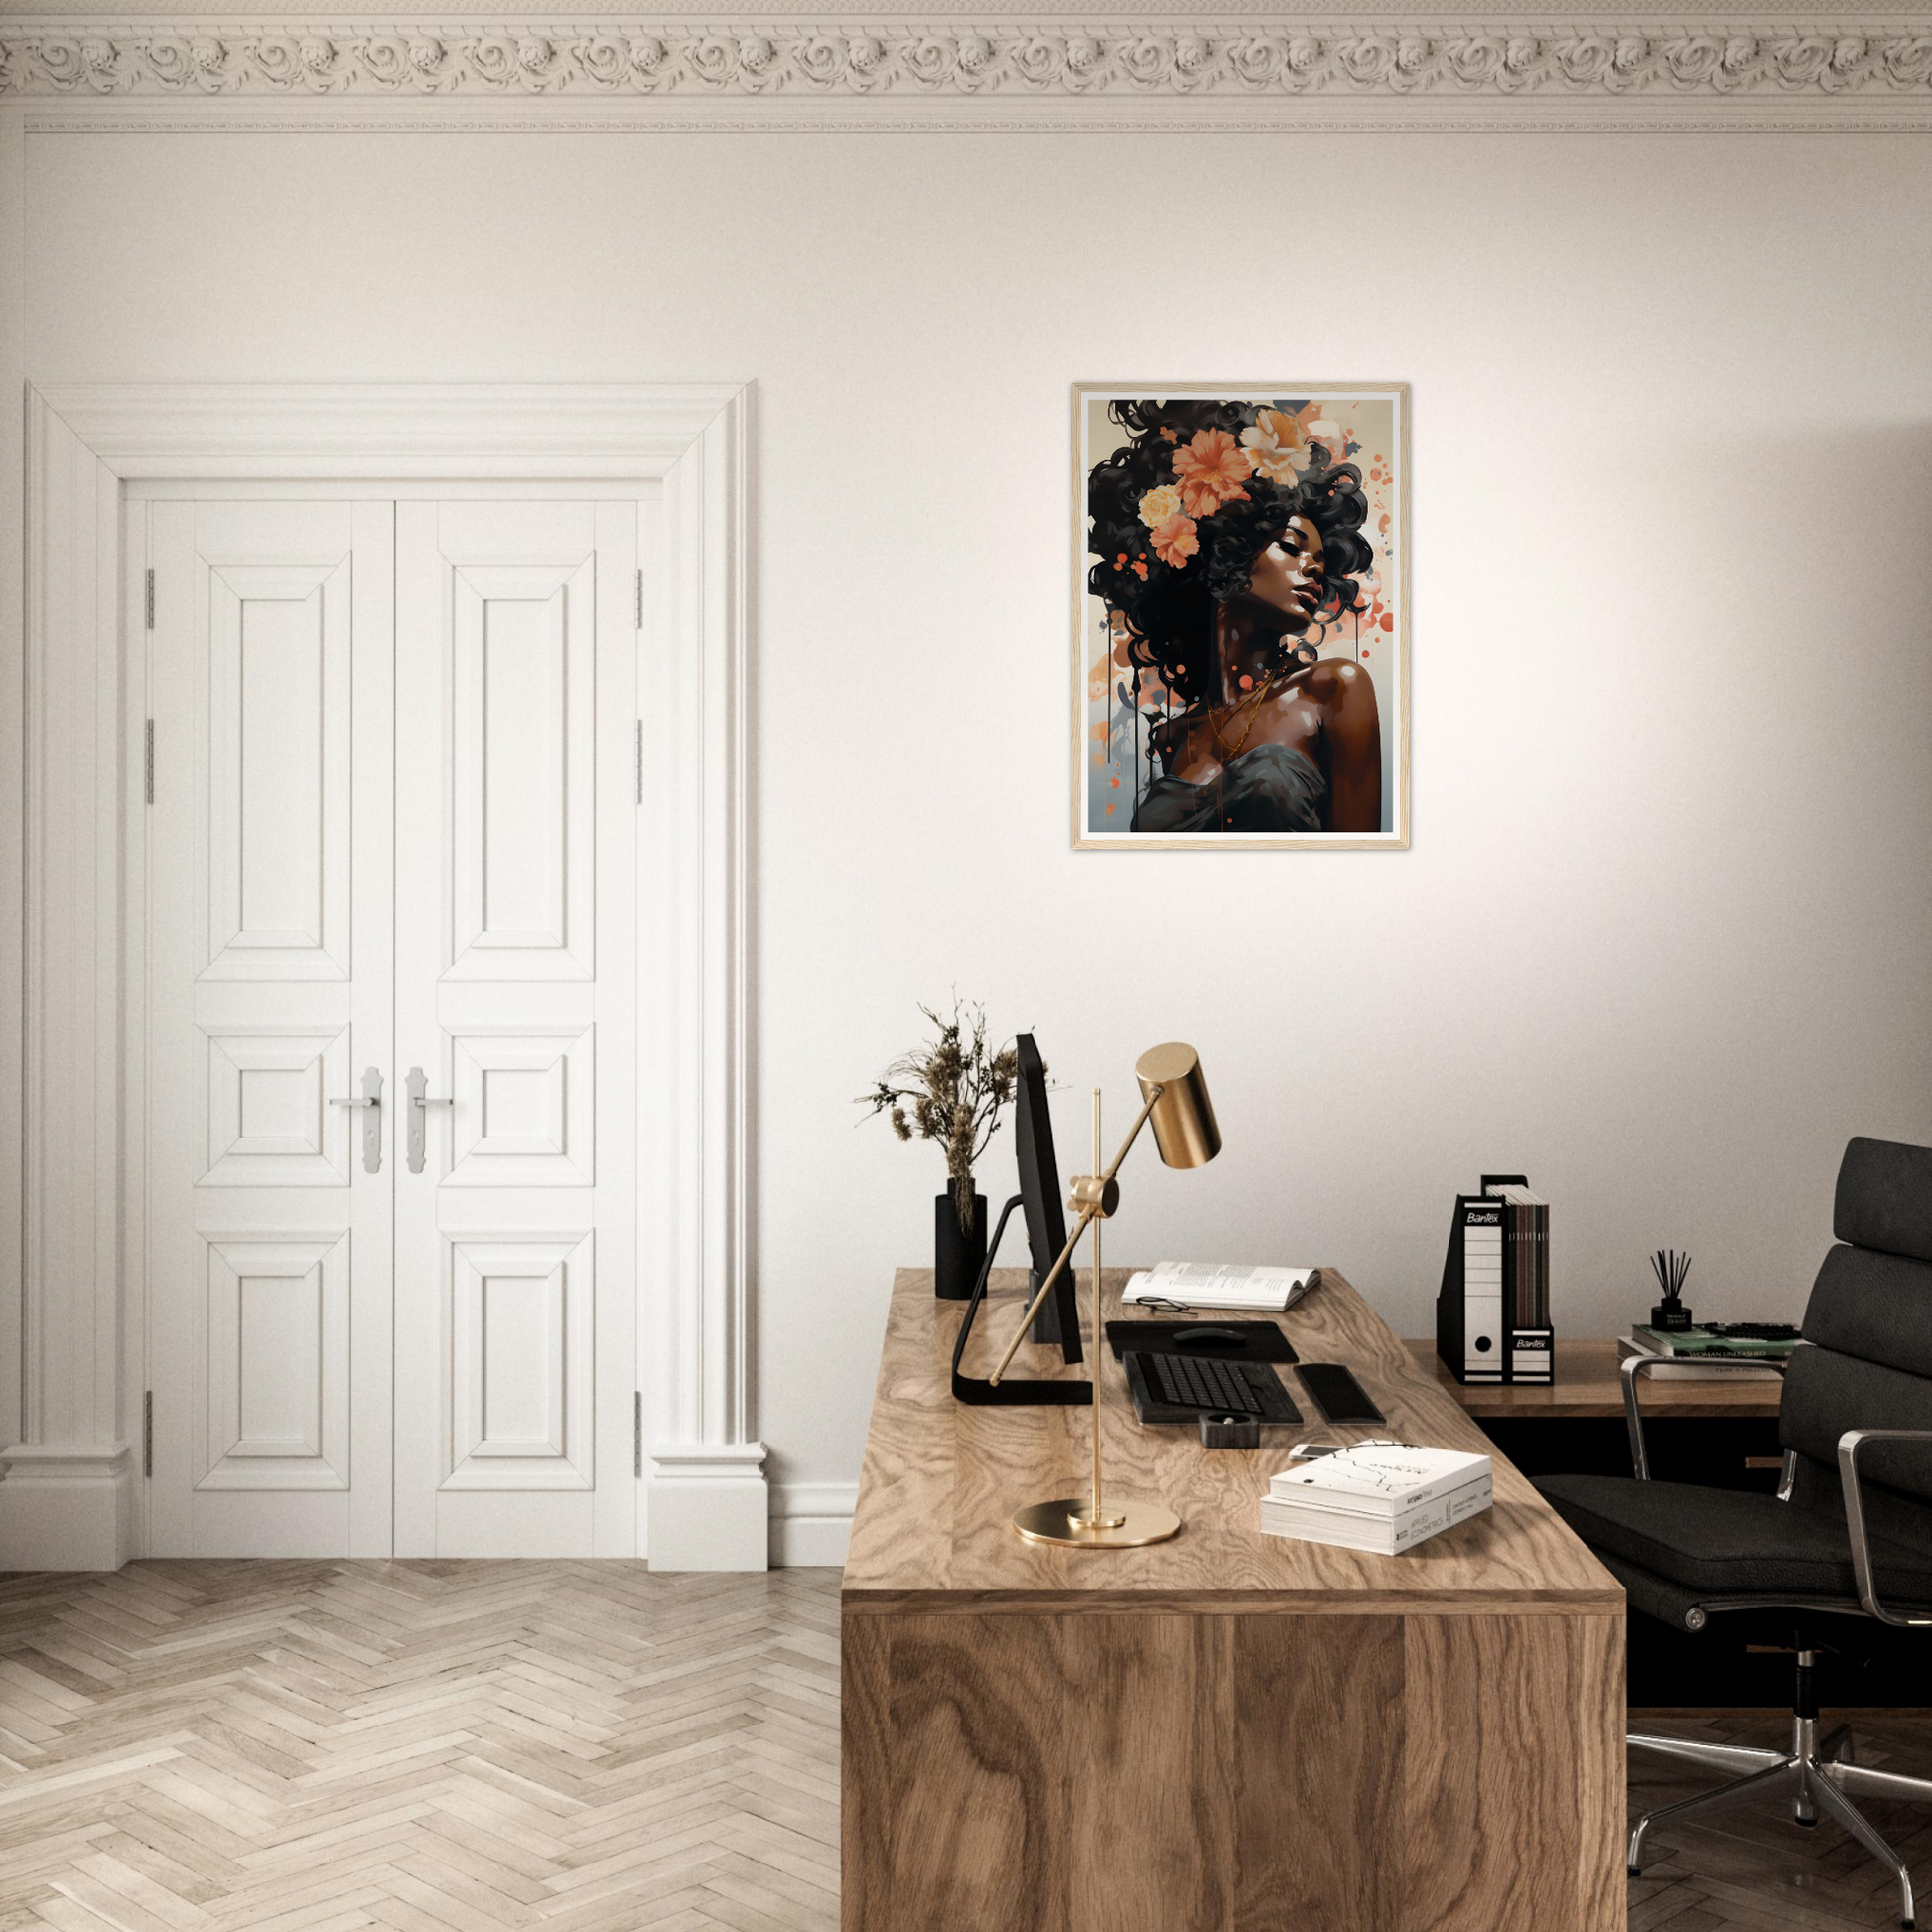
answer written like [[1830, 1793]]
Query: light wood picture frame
[[1241, 634]]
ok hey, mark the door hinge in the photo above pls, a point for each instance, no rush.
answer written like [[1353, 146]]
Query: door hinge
[[638, 1434], [147, 1434], [150, 600], [640, 760], [641, 597], [148, 762]]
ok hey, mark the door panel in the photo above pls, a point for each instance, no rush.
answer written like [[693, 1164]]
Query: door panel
[[526, 1107], [521, 1331], [278, 790], [278, 1385], [515, 1242], [270, 992], [269, 1122], [521, 772]]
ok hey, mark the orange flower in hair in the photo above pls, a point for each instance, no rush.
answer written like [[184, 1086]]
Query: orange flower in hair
[[1174, 540], [1212, 469]]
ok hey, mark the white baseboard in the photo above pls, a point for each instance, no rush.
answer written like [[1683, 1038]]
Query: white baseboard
[[67, 1507], [710, 1507], [811, 1523], [73, 1509]]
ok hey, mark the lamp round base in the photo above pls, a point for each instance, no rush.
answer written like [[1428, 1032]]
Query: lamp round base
[[1063, 1521]]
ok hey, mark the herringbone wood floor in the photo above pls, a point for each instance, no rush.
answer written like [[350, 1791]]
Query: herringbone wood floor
[[1754, 1869], [323, 1746], [574, 1747]]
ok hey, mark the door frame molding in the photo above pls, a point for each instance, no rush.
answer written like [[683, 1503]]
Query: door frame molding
[[70, 1400]]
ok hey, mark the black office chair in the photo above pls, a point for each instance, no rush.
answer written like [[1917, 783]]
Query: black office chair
[[1849, 1535]]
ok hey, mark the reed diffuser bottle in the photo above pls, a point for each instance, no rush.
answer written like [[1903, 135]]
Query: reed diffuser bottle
[[1670, 1314]]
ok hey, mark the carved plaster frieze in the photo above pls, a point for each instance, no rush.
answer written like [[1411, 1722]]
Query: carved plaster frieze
[[1243, 61]]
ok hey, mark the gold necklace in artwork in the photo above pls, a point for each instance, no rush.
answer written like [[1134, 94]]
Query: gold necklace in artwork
[[1254, 705]]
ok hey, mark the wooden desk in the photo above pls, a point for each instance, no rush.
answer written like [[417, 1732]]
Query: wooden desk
[[1228, 1732], [1587, 1385]]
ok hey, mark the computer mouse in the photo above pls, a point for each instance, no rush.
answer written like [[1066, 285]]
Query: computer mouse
[[1207, 1336]]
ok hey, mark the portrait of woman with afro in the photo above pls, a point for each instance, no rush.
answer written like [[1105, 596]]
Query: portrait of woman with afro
[[1228, 544]]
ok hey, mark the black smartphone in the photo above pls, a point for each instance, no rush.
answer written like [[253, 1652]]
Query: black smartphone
[[1337, 1394]]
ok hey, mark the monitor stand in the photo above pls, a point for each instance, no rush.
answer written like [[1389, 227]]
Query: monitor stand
[[1013, 1391]]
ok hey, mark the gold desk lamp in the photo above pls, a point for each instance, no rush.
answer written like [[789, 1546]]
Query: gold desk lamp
[[1175, 1099]]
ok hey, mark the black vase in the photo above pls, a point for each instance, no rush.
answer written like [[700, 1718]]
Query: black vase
[[957, 1258]]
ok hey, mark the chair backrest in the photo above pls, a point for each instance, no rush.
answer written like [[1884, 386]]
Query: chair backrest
[[1869, 1326]]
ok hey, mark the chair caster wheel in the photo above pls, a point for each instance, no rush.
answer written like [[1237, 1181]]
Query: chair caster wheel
[[1807, 1823], [1633, 1871]]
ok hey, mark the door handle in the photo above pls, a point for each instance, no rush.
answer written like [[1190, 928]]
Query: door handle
[[417, 1082], [371, 1098]]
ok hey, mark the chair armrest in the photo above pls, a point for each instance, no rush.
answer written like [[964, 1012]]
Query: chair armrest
[[1849, 1446], [1635, 1365]]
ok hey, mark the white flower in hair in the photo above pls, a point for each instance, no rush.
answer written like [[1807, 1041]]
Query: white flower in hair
[[1277, 447], [1159, 504]]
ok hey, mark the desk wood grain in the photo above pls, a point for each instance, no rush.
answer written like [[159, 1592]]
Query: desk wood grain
[[1228, 1732], [941, 1480]]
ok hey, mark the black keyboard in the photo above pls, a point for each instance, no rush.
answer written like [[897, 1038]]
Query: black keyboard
[[1208, 1387]]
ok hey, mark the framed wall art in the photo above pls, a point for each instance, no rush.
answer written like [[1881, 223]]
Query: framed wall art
[[1241, 614]]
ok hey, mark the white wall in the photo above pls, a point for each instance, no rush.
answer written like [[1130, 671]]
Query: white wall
[[1661, 940]]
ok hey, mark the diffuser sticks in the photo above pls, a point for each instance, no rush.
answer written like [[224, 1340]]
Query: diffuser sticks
[[1670, 1268]]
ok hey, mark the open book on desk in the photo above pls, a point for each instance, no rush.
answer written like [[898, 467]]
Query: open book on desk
[[1212, 1284]]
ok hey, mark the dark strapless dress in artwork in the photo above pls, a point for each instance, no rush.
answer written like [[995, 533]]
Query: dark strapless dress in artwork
[[1273, 788]]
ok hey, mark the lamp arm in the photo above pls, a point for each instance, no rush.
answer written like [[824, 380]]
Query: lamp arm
[[1133, 1133], [1088, 1215]]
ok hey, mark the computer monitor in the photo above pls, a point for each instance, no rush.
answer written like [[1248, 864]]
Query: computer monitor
[[1038, 1198], [1040, 1194]]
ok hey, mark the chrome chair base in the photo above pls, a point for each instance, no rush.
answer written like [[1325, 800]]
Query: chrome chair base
[[1818, 1775]]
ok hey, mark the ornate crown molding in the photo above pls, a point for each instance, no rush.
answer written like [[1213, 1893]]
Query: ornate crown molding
[[1181, 59]]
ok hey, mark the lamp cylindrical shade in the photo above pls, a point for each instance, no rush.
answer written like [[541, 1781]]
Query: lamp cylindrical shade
[[1184, 1128]]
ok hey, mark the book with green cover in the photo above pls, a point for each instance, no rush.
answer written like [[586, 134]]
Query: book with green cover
[[1713, 1343]]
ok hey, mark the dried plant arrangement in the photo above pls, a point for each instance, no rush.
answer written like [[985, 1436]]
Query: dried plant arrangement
[[951, 1091]]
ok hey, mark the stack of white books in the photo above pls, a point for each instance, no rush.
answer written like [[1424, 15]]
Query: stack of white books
[[1381, 1497]]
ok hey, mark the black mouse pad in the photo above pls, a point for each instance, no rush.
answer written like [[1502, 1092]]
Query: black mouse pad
[[1217, 1341]]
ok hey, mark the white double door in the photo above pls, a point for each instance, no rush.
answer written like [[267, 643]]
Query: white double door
[[390, 860]]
